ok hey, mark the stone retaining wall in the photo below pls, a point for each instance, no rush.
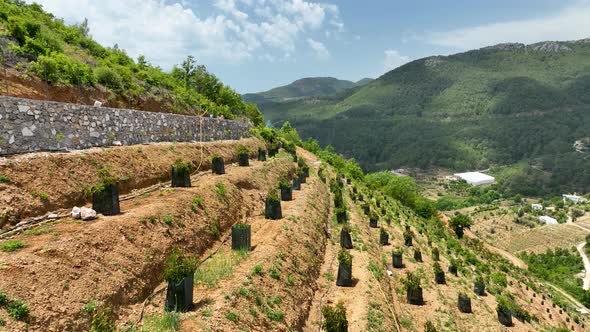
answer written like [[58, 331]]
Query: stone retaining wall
[[31, 125]]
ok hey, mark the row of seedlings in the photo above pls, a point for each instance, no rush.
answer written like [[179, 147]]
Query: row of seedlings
[[180, 269], [344, 277]]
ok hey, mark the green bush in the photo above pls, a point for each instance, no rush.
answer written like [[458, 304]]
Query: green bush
[[182, 167], [411, 281], [3, 299], [334, 318], [57, 68], [103, 321], [108, 77], [344, 257], [178, 266], [18, 310]]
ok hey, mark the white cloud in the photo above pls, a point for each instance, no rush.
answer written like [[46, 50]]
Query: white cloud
[[570, 23], [234, 31], [394, 59], [320, 49]]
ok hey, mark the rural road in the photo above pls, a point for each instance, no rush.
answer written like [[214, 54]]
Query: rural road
[[580, 248]]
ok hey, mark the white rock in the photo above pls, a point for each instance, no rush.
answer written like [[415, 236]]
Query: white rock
[[52, 216], [26, 132], [97, 103], [76, 212], [87, 214], [117, 143]]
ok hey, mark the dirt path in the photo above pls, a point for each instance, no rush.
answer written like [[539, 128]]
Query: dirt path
[[510, 257], [567, 295], [580, 248], [356, 299]]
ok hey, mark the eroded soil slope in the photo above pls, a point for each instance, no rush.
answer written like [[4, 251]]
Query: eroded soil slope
[[118, 261], [42, 182]]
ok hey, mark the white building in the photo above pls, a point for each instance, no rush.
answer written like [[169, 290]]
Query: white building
[[537, 207], [475, 178], [573, 198], [548, 220]]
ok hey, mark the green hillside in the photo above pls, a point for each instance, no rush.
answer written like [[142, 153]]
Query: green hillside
[[305, 87], [37, 44], [495, 106]]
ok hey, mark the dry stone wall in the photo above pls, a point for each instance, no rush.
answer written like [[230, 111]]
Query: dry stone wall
[[32, 125]]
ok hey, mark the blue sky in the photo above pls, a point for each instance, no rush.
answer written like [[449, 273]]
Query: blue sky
[[254, 45]]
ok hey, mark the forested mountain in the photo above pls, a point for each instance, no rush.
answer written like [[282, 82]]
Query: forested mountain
[[305, 87], [35, 44], [494, 106]]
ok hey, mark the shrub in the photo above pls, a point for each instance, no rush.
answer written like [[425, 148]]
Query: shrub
[[182, 167], [273, 196], [334, 318], [258, 270], [436, 267], [90, 307], [106, 179], [242, 150], [4, 179], [103, 321], [220, 190], [232, 316], [178, 266], [18, 310], [284, 184], [411, 281], [344, 257], [57, 68], [429, 327], [108, 77], [3, 299], [459, 222]]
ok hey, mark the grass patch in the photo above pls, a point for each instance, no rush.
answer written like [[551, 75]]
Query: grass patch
[[258, 270], [38, 231], [232, 316], [11, 245], [218, 267], [166, 322], [168, 219], [4, 179], [220, 191]]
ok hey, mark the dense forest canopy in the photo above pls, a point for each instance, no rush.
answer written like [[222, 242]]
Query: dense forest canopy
[[61, 54], [494, 107]]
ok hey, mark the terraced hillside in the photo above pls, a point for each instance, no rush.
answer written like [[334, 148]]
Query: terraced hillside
[[66, 274]]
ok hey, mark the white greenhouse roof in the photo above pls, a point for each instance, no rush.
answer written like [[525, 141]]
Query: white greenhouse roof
[[548, 220], [475, 178]]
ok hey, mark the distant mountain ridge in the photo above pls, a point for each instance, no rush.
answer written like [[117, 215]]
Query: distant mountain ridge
[[498, 105], [305, 87]]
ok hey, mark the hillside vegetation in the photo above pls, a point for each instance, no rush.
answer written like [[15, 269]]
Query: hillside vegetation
[[494, 106], [305, 87], [39, 45]]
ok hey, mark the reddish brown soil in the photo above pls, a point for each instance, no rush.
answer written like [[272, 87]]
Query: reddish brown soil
[[118, 260], [294, 246], [26, 86], [367, 289], [65, 176]]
